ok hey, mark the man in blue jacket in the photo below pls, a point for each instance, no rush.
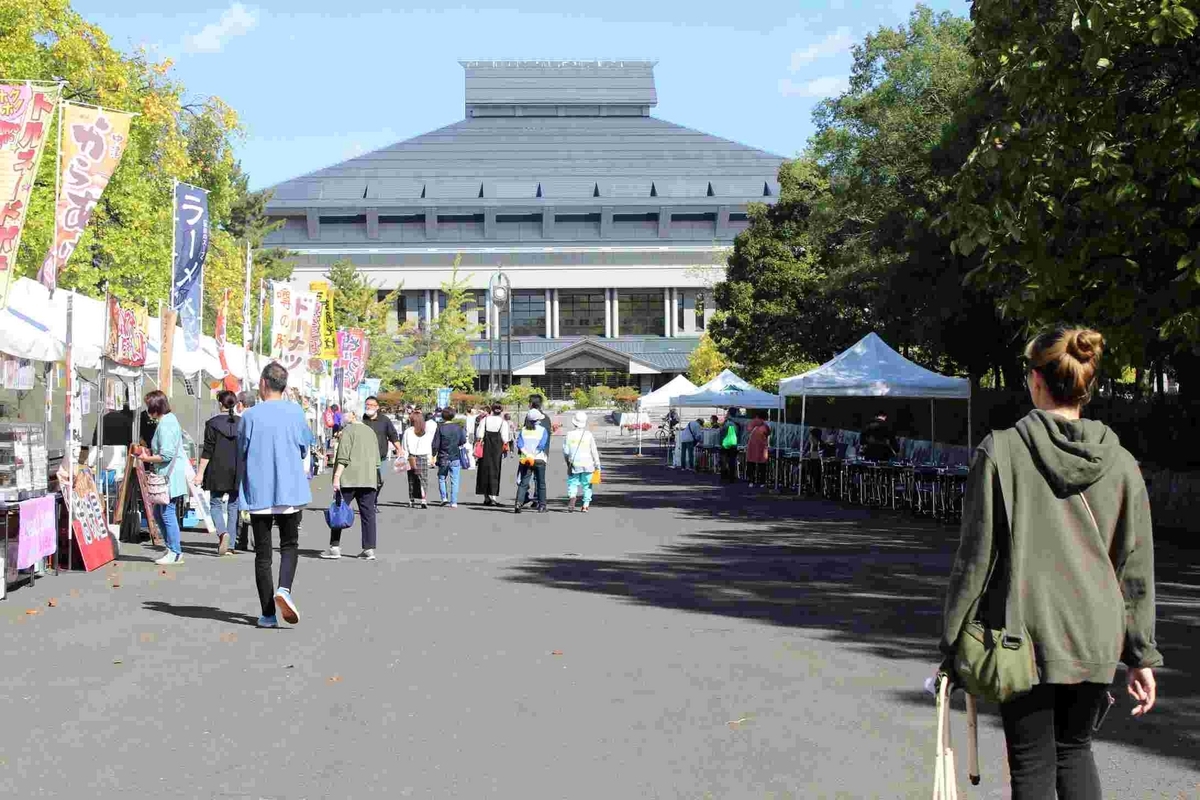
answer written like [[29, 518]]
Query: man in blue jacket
[[273, 440]]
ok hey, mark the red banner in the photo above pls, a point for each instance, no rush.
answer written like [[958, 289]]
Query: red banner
[[353, 351], [26, 114], [127, 334]]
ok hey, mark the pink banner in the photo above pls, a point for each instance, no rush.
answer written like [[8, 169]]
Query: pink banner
[[26, 113], [353, 351], [37, 538]]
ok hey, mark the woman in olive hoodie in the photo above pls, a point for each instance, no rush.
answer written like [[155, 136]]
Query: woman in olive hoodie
[[1083, 566]]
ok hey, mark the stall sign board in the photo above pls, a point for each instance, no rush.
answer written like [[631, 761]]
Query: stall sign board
[[37, 537], [140, 470], [96, 544]]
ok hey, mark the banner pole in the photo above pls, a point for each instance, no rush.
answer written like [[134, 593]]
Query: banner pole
[[69, 454], [103, 406], [168, 385], [200, 366], [246, 312]]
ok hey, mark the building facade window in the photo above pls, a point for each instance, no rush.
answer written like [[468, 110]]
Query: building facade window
[[699, 311], [558, 384], [679, 315], [641, 313], [527, 313], [475, 308], [581, 313]]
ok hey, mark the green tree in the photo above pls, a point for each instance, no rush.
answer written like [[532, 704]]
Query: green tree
[[446, 349], [706, 361], [357, 304], [1081, 191]]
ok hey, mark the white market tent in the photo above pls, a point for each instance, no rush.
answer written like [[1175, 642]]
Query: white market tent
[[728, 397], [661, 397], [726, 378], [872, 369]]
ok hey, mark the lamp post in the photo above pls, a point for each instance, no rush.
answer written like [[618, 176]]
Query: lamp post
[[500, 290]]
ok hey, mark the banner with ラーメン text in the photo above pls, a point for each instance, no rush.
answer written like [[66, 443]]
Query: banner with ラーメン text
[[26, 114], [93, 141], [191, 248]]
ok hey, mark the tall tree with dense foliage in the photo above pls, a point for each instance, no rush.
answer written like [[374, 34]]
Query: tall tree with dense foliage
[[127, 244], [446, 348], [357, 303], [1081, 192]]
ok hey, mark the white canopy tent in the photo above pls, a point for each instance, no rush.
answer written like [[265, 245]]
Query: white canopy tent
[[661, 397], [726, 378], [728, 397], [872, 369]]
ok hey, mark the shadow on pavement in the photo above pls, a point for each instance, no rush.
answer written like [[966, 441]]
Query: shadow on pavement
[[200, 612], [873, 579]]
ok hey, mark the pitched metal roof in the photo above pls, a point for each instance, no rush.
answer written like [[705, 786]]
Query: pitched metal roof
[[560, 82], [665, 355], [530, 160]]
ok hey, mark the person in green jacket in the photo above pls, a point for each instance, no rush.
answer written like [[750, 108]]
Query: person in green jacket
[[356, 477], [1082, 564]]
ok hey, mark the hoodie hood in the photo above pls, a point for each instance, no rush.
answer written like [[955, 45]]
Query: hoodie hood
[[1071, 454], [225, 426]]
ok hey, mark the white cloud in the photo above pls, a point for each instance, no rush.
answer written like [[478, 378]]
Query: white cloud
[[237, 20], [834, 44], [818, 87]]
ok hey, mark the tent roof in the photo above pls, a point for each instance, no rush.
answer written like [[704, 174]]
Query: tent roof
[[872, 369], [662, 396], [725, 379], [729, 397]]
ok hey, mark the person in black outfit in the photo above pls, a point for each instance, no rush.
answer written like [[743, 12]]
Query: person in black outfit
[[220, 471], [729, 455], [878, 441], [385, 431]]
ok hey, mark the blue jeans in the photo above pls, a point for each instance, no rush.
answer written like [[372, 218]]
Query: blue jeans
[[168, 524], [687, 458], [225, 513], [450, 474]]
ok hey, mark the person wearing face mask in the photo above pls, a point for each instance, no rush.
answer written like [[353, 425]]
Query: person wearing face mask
[[385, 432]]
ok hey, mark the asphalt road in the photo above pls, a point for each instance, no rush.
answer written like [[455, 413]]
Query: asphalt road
[[682, 640]]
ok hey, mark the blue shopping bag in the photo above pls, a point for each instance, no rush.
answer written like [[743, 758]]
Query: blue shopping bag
[[464, 457], [339, 515]]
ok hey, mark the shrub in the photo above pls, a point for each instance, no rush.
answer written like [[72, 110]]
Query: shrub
[[602, 396], [626, 398], [581, 398]]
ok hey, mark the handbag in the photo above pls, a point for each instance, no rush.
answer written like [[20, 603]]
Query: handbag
[[730, 439], [997, 664], [595, 479], [158, 487], [339, 515], [479, 450], [464, 457]]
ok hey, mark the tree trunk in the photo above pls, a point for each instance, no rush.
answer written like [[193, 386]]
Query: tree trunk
[[1158, 378], [1137, 384]]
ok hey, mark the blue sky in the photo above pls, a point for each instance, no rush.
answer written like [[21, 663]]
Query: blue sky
[[319, 81]]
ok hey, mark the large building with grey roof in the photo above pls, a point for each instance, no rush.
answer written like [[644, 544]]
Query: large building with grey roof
[[610, 224]]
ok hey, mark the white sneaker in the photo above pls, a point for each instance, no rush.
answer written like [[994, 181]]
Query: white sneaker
[[332, 553], [285, 606], [368, 555], [170, 557]]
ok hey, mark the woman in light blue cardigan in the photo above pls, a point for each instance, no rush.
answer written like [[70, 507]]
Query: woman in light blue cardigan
[[166, 454]]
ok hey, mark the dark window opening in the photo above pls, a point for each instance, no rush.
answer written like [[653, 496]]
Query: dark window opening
[[596, 190], [518, 218], [576, 217], [581, 313], [357, 219], [651, 217], [403, 219], [679, 310], [766, 189], [452, 218], [700, 311], [641, 313], [527, 314], [481, 190], [653, 190], [739, 217], [539, 191], [705, 217], [711, 193], [422, 191]]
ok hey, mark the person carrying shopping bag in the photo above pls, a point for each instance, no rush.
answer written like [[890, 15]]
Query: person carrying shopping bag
[[1056, 508], [533, 442], [356, 477], [166, 451], [449, 444], [583, 461]]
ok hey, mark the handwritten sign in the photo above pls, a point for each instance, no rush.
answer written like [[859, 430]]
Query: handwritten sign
[[89, 524], [328, 330], [39, 526], [26, 112], [127, 334], [353, 351]]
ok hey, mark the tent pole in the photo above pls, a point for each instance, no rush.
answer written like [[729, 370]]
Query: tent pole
[[932, 435], [637, 416], [778, 441], [803, 415]]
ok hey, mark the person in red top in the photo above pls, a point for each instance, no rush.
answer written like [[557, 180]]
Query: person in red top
[[757, 451]]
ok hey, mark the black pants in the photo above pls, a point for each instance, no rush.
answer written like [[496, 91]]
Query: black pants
[[758, 472], [416, 485], [289, 541], [1048, 733], [366, 498], [729, 458], [538, 472]]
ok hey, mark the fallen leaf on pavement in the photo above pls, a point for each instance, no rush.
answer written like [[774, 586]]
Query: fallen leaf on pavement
[[335, 679], [116, 661], [228, 637], [556, 652], [31, 611], [52, 602], [147, 637], [290, 666], [74, 593]]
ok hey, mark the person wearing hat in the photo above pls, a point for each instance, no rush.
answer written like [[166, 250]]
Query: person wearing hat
[[533, 442], [583, 459]]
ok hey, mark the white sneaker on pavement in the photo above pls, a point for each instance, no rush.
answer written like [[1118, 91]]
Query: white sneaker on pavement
[[169, 558], [287, 609], [368, 555], [332, 553]]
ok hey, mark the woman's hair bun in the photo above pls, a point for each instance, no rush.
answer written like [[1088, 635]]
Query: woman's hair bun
[[1085, 344]]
